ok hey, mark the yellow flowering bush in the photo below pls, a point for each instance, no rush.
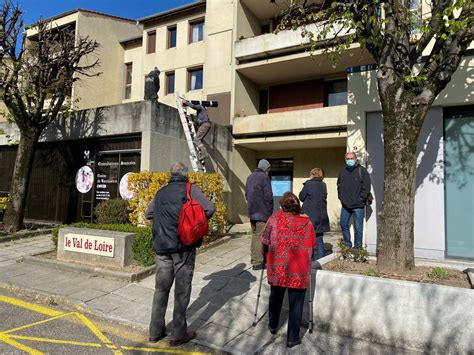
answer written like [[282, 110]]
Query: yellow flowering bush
[[3, 203], [145, 185]]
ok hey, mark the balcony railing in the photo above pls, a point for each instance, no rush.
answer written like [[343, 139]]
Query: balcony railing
[[271, 44], [292, 121]]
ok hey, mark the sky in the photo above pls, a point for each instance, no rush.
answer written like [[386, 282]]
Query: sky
[[133, 9]]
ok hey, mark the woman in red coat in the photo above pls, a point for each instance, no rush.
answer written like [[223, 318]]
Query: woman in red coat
[[288, 241]]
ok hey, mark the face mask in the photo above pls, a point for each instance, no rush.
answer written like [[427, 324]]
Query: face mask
[[350, 162]]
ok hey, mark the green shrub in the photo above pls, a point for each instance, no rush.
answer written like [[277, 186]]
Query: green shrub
[[372, 272], [142, 244], [438, 273], [114, 211]]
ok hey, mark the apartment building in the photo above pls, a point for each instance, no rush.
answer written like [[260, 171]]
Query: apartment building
[[113, 131], [287, 106], [191, 45], [301, 112]]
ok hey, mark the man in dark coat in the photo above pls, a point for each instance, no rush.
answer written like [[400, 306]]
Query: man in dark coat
[[174, 261], [203, 124], [152, 84], [314, 197], [353, 188], [259, 196]]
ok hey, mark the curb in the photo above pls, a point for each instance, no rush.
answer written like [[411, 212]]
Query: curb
[[97, 271], [25, 235], [84, 269]]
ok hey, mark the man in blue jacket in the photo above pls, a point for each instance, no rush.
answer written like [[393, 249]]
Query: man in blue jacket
[[174, 261], [259, 196], [353, 188]]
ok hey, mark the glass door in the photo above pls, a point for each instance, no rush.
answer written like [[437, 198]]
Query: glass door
[[281, 175], [459, 181]]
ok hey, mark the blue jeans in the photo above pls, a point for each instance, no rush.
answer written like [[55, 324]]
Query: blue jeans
[[358, 215], [319, 247]]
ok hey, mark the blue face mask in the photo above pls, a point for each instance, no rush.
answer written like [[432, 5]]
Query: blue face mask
[[350, 162]]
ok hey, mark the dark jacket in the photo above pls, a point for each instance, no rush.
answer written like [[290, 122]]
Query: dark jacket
[[259, 196], [164, 210], [201, 113], [314, 198], [152, 83], [353, 186]]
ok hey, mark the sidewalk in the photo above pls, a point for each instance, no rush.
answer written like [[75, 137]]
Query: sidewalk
[[222, 301]]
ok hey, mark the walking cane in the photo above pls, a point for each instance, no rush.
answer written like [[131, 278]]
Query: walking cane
[[310, 301], [258, 295]]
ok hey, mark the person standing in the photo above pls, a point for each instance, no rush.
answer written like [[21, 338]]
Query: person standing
[[152, 84], [203, 124], [259, 196], [174, 261], [314, 198], [353, 188], [289, 241]]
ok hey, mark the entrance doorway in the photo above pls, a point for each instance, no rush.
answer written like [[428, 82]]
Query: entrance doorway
[[281, 175]]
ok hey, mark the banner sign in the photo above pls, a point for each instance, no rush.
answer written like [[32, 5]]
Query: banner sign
[[89, 244]]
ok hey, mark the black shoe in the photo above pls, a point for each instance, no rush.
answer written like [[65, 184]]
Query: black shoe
[[187, 338], [272, 330], [290, 344], [157, 339], [259, 267]]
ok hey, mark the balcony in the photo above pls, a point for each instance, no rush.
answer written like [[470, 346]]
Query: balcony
[[316, 119], [270, 45]]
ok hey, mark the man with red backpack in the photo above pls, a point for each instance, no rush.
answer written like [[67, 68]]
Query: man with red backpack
[[174, 260]]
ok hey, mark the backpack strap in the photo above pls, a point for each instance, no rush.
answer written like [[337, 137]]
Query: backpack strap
[[188, 191]]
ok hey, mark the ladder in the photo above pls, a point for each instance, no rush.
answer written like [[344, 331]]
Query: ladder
[[189, 133]]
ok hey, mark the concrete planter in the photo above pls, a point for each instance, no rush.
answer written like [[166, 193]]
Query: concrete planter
[[399, 313]]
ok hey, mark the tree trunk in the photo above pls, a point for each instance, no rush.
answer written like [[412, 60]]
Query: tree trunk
[[402, 124], [15, 211]]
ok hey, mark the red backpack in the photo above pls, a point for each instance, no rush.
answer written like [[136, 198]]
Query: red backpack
[[192, 223]]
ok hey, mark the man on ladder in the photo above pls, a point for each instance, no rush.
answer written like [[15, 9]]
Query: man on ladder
[[201, 120]]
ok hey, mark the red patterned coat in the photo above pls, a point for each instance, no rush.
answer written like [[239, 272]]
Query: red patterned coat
[[291, 240]]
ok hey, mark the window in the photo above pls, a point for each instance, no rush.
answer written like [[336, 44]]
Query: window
[[170, 83], [196, 31], [171, 37], [151, 44], [195, 79], [336, 93], [128, 81]]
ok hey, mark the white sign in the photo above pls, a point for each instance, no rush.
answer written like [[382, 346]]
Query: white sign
[[89, 244], [84, 179], [123, 188]]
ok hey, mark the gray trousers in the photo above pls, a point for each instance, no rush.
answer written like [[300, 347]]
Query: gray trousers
[[178, 267], [256, 243]]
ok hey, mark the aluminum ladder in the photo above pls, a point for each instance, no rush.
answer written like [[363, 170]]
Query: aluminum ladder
[[189, 133]]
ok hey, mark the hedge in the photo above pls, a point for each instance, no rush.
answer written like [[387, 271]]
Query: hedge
[[146, 184], [113, 211], [142, 244]]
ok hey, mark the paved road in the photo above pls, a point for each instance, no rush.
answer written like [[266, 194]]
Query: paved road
[[40, 324]]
